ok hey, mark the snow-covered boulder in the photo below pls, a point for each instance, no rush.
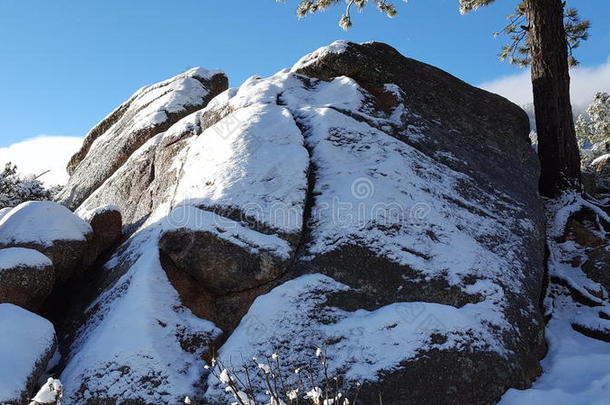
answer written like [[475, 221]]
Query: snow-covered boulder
[[51, 229], [27, 343], [364, 201], [150, 111], [26, 277], [225, 258]]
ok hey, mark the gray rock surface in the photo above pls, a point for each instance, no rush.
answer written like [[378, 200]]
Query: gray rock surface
[[597, 267], [107, 225]]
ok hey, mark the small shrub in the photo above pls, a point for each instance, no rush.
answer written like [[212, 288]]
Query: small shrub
[[49, 394], [303, 385]]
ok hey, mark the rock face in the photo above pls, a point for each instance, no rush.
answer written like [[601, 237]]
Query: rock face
[[52, 230], [27, 343], [364, 202], [26, 277], [150, 111]]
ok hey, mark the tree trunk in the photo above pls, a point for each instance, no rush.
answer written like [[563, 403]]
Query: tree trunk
[[557, 145]]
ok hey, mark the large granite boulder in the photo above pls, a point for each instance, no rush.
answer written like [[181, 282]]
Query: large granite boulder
[[27, 343], [26, 277], [227, 258], [364, 202]]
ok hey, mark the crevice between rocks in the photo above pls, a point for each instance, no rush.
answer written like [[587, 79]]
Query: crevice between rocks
[[65, 307], [234, 305]]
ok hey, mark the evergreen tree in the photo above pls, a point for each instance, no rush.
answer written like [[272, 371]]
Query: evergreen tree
[[543, 34], [15, 189]]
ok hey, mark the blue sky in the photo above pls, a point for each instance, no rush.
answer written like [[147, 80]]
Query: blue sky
[[66, 64]]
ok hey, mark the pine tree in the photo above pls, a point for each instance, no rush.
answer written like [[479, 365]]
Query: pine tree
[[596, 126], [15, 189], [543, 34]]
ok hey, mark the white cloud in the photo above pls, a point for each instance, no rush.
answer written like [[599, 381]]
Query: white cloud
[[586, 81], [39, 154]]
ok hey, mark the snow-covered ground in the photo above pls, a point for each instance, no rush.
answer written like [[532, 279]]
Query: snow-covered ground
[[142, 328], [576, 370]]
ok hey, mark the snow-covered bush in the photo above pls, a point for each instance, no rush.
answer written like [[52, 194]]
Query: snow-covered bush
[[15, 189], [49, 394], [302, 385], [593, 130], [595, 127]]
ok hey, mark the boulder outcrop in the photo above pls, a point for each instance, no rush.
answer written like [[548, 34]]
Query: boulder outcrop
[[361, 201], [46, 250], [52, 230]]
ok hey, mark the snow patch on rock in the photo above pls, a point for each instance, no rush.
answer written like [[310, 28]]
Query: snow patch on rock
[[335, 47], [138, 325], [194, 219], [42, 223], [11, 258], [359, 344], [253, 161]]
